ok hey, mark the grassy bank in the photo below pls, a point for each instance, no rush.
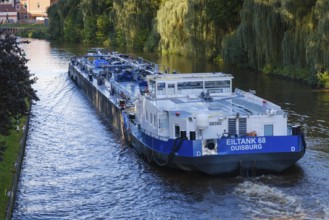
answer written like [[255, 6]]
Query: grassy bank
[[7, 165]]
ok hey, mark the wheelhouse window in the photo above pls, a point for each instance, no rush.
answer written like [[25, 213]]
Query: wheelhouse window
[[186, 87], [190, 85], [268, 130], [161, 88], [218, 86], [171, 89]]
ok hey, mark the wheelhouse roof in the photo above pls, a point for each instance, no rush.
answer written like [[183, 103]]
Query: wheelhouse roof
[[183, 77]]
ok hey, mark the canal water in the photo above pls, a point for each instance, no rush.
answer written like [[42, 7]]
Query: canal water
[[76, 167]]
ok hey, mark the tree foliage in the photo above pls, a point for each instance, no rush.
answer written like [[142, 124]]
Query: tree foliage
[[133, 22], [196, 28], [80, 20], [288, 38], [225, 14], [15, 83], [56, 22]]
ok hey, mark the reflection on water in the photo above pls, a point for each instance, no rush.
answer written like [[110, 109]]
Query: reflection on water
[[76, 167]]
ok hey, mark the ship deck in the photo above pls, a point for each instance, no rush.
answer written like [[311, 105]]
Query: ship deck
[[239, 102]]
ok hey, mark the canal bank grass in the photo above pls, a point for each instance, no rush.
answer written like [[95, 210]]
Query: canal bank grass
[[8, 167]]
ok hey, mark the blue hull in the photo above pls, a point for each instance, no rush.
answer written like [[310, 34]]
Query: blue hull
[[231, 155]]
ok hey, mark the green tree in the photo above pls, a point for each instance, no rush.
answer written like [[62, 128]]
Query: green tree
[[90, 29], [225, 14], [15, 83], [55, 22], [96, 7], [103, 27], [65, 20], [73, 20]]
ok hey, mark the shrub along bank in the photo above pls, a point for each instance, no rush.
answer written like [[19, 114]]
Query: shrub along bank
[[39, 33]]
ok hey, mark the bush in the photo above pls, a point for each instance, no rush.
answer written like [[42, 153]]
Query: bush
[[323, 79], [34, 33]]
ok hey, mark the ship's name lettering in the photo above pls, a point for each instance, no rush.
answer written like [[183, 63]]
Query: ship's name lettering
[[240, 141], [247, 147], [240, 144]]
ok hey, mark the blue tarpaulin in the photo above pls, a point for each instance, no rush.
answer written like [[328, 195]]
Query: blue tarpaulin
[[100, 63]]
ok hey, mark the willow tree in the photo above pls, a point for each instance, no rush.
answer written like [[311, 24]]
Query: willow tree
[[134, 21], [284, 37], [196, 27]]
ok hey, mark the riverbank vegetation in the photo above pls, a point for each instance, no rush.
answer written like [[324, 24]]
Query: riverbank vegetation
[[34, 30], [15, 95], [40, 33], [15, 83], [287, 38], [10, 147], [190, 28]]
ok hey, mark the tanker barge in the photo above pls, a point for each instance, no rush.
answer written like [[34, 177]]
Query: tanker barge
[[190, 121]]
